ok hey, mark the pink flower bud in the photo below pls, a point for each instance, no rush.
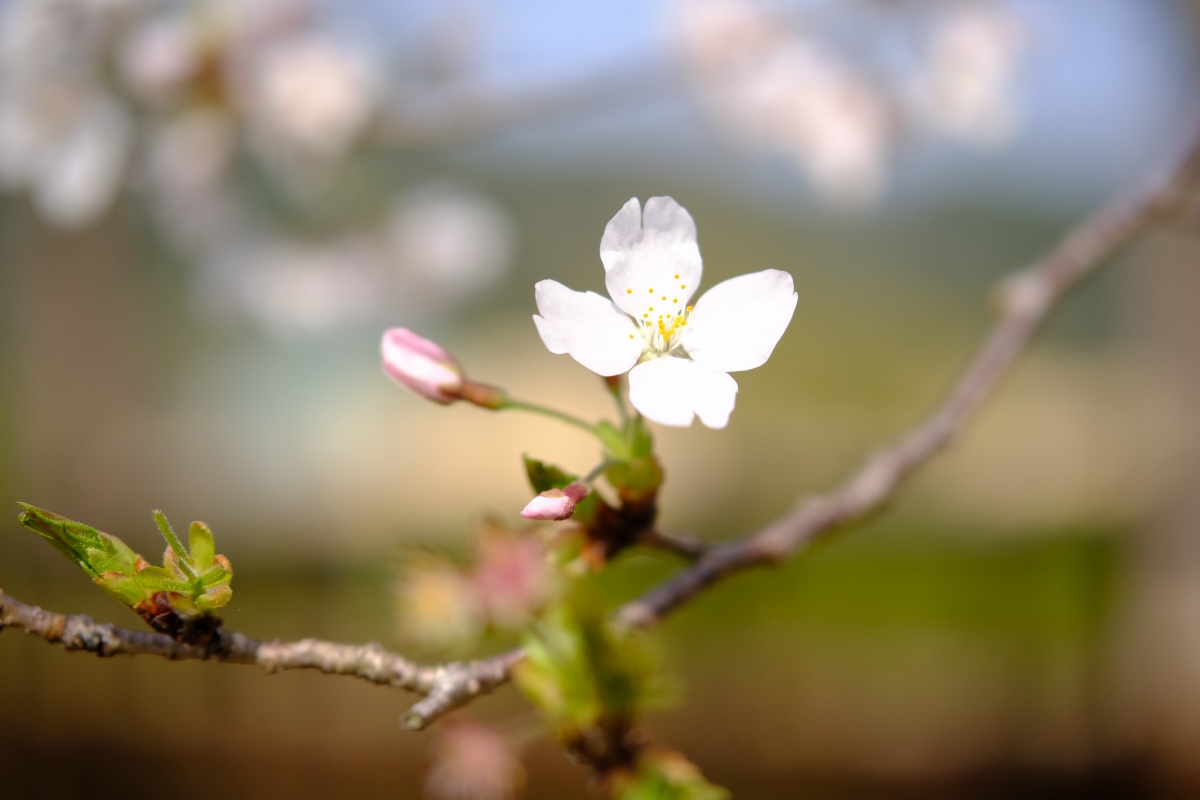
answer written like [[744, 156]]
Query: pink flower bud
[[421, 365], [555, 503]]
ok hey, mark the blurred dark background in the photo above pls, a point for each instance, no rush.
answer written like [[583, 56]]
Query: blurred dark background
[[190, 320]]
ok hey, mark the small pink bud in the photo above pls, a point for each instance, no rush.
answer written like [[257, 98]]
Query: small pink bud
[[421, 365], [555, 504]]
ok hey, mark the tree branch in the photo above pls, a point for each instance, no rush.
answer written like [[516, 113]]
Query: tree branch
[[445, 686]]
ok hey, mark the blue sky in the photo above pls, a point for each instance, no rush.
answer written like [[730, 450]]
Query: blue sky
[[1105, 93]]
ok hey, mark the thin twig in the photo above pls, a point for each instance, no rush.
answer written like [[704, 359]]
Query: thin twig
[[445, 686]]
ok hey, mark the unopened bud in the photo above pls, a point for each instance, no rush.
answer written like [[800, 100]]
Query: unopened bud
[[421, 365], [555, 504]]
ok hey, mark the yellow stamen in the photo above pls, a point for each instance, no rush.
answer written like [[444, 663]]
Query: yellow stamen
[[629, 291]]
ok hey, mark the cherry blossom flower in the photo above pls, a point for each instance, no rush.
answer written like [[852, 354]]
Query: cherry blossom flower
[[678, 356]]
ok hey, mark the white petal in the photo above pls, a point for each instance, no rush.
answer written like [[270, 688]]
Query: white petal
[[621, 233], [671, 390], [651, 268], [83, 176], [737, 323], [595, 332]]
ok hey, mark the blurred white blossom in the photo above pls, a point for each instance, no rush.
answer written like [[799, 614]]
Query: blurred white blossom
[[310, 93], [159, 57], [789, 82], [448, 242], [965, 85], [63, 136], [835, 124], [186, 172], [293, 288], [787, 94]]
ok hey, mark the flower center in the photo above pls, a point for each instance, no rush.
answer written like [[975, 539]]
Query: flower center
[[662, 333]]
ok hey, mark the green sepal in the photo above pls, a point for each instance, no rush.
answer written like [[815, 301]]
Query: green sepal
[[543, 476], [587, 509], [637, 479], [615, 440], [641, 441]]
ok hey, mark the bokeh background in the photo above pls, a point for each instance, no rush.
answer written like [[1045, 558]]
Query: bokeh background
[[212, 209]]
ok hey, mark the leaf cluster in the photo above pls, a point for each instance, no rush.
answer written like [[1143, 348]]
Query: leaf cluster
[[194, 579]]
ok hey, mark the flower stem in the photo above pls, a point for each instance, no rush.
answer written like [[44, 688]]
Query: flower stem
[[561, 416], [614, 387], [597, 471]]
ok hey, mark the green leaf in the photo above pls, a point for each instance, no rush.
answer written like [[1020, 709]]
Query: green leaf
[[95, 552], [217, 576], [124, 574], [214, 598], [126, 588], [202, 546], [161, 579], [182, 560], [543, 476]]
